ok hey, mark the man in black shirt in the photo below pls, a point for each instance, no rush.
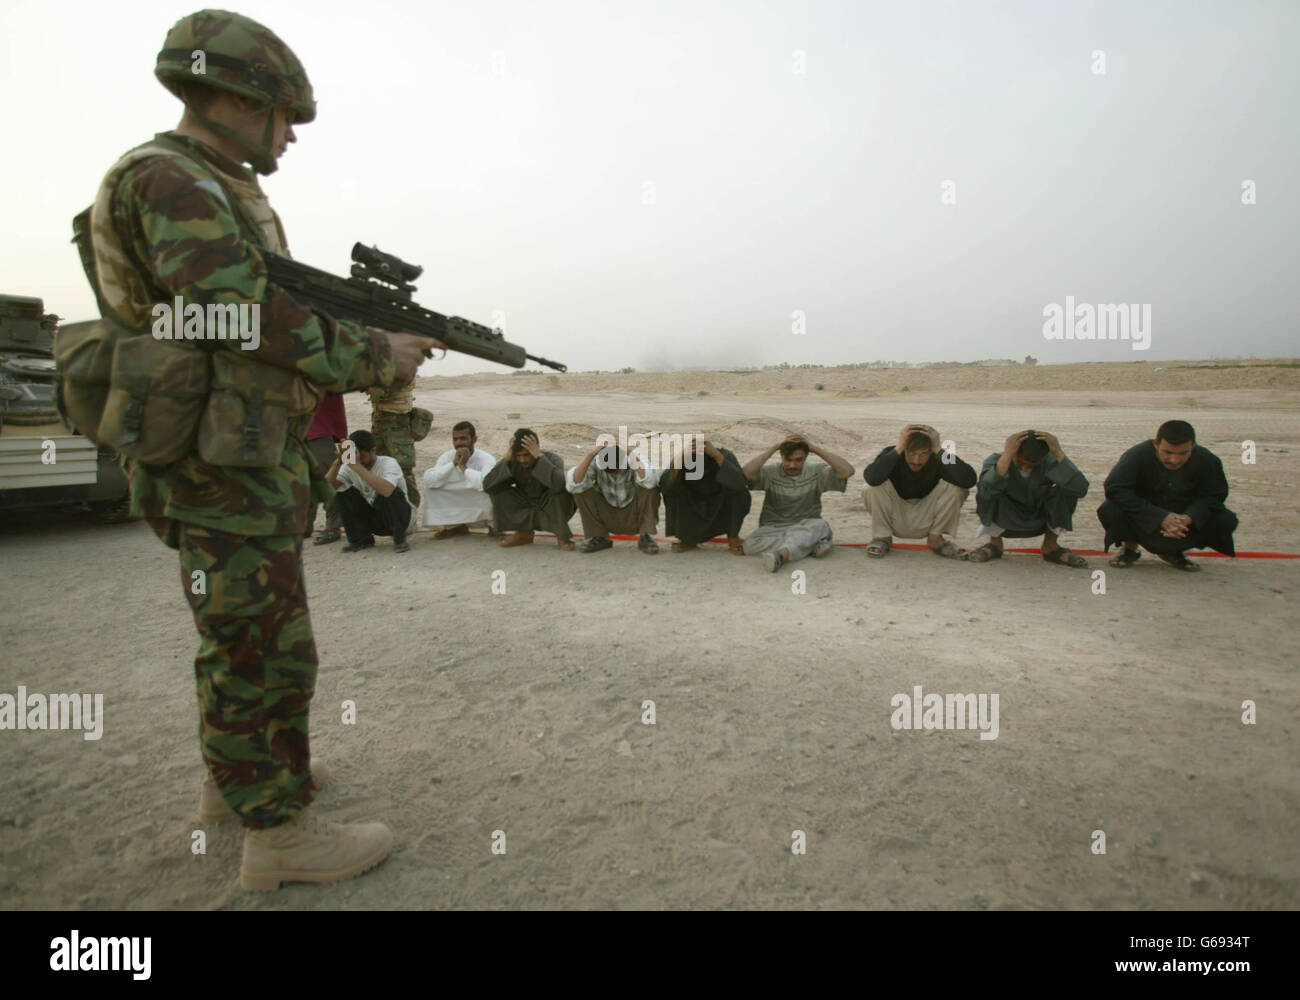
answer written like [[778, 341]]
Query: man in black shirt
[[714, 499], [914, 491], [1167, 494]]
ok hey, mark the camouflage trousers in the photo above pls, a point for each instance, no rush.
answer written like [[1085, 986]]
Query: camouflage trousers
[[392, 433], [255, 670]]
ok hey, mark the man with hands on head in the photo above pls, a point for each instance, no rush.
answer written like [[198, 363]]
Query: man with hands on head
[[528, 493], [790, 525], [914, 493], [709, 498], [1030, 489], [617, 492]]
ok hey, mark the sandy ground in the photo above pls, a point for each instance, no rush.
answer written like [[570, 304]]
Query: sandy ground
[[521, 712]]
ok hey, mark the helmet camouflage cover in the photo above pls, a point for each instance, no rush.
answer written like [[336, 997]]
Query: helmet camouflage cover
[[219, 48], [227, 51]]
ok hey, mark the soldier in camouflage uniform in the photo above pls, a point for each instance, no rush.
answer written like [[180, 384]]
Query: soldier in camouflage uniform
[[390, 423], [181, 216]]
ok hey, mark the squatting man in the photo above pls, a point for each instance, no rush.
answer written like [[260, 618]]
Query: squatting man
[[371, 494], [454, 498]]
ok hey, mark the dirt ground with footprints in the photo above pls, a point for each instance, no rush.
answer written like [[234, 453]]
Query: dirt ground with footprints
[[522, 712]]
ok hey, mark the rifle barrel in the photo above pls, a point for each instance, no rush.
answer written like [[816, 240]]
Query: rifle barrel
[[373, 304]]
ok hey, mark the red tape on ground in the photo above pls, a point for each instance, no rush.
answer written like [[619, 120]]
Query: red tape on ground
[[926, 548]]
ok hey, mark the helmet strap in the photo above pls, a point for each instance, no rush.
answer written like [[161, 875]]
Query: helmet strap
[[260, 156], [268, 166]]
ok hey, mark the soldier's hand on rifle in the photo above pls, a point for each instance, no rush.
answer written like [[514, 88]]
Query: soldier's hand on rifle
[[409, 351]]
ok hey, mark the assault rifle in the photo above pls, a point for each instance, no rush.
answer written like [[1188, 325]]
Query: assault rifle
[[379, 294]]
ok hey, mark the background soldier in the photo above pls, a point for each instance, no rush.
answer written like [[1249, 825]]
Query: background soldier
[[328, 428], [180, 216], [390, 423]]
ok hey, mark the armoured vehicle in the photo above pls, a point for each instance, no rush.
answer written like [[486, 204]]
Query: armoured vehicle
[[42, 462]]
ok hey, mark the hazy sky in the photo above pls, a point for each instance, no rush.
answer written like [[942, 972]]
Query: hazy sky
[[665, 184]]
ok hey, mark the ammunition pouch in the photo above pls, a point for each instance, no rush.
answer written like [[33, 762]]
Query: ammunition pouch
[[421, 422], [246, 421], [83, 353], [84, 356], [156, 393]]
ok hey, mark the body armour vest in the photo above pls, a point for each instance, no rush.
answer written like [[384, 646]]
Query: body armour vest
[[167, 396]]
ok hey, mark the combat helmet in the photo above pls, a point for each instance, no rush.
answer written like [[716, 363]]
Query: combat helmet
[[219, 48]]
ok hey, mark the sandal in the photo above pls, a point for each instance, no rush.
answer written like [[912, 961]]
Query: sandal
[[1124, 558], [1181, 562], [736, 545], [647, 545], [947, 550], [985, 553], [566, 544], [684, 546], [597, 544], [879, 547], [1064, 557], [325, 537]]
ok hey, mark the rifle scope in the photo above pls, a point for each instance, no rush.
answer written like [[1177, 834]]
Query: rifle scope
[[386, 265]]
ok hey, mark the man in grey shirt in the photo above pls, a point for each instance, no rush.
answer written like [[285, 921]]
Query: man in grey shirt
[[790, 525]]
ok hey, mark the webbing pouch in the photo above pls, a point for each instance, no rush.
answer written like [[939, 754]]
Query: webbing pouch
[[246, 421], [155, 397], [83, 354], [421, 422]]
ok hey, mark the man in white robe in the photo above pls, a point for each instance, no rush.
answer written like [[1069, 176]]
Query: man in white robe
[[454, 500]]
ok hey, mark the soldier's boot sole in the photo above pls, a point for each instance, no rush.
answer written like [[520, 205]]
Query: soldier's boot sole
[[311, 850], [213, 808]]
